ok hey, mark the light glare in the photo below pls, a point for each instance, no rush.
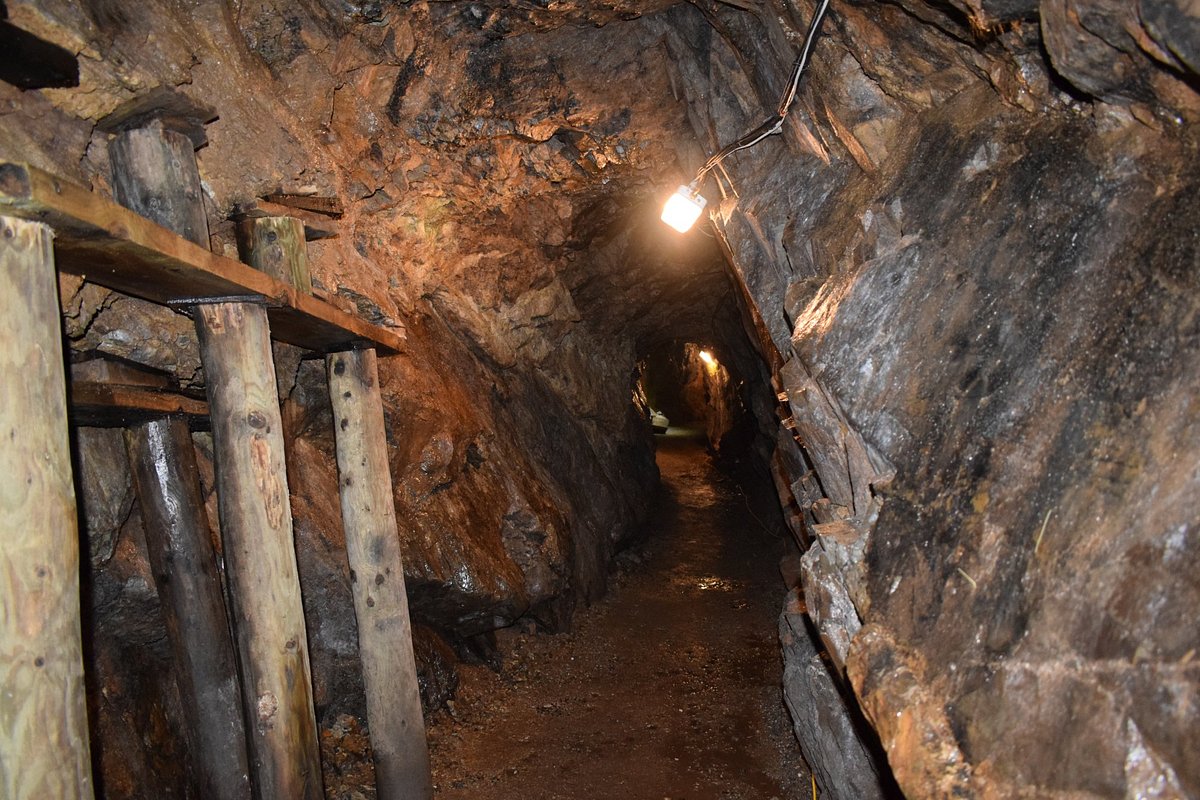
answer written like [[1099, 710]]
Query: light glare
[[683, 209], [707, 358]]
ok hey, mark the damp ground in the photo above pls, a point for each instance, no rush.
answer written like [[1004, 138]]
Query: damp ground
[[667, 688]]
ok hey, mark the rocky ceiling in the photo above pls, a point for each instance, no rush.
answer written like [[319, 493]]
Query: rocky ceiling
[[969, 263]]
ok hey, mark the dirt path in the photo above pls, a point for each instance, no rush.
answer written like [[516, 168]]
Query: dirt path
[[669, 688]]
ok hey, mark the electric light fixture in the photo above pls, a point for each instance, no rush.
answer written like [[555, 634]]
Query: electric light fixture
[[683, 208]]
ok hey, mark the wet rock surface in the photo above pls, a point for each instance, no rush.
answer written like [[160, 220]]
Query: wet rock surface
[[669, 687], [843, 752]]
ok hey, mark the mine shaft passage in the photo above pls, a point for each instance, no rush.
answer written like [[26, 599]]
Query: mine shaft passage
[[667, 688]]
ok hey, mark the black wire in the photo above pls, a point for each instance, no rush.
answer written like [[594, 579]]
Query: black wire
[[775, 123]]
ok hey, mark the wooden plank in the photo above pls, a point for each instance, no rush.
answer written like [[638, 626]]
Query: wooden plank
[[260, 559], [329, 206], [180, 546], [117, 248], [316, 226], [33, 63], [165, 106], [377, 576], [107, 393], [43, 714], [108, 405]]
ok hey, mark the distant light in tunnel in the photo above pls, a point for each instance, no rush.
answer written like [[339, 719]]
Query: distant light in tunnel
[[683, 209]]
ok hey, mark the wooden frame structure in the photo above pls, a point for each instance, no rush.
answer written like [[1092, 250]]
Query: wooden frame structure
[[238, 310]]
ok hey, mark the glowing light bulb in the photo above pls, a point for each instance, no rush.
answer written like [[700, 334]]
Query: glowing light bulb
[[707, 358], [683, 209]]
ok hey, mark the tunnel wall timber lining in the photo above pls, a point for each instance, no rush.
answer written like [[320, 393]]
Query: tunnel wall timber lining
[[256, 521]]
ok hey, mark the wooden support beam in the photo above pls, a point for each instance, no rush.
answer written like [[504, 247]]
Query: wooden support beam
[[179, 543], [161, 106], [105, 393], [155, 174], [119, 249], [329, 206], [275, 245], [43, 713], [109, 405], [377, 576], [260, 559], [372, 543]]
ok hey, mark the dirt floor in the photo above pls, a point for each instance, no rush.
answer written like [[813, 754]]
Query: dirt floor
[[668, 688]]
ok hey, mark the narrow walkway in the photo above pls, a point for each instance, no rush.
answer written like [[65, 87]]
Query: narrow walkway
[[669, 688]]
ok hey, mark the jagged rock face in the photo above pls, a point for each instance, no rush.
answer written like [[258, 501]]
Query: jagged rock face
[[980, 269]]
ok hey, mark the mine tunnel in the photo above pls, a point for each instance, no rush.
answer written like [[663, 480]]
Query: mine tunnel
[[366, 432]]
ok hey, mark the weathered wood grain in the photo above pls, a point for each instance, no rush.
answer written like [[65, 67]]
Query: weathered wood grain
[[179, 544], [43, 717], [108, 405], [275, 245], [377, 575], [155, 174], [256, 527]]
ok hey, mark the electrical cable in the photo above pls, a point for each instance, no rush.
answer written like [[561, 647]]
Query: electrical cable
[[775, 123]]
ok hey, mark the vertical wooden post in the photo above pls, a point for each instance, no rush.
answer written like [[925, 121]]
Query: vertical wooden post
[[179, 543], [275, 245], [380, 602], [155, 174], [43, 714], [402, 772], [260, 556]]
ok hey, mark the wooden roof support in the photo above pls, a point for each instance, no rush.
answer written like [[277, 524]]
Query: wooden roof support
[[180, 546], [394, 718], [43, 714], [117, 248], [114, 405], [252, 493], [260, 557], [154, 173], [402, 770]]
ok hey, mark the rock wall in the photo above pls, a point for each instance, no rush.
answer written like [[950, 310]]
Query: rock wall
[[973, 251]]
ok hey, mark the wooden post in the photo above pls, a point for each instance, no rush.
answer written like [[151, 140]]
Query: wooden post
[[260, 557], [377, 576], [179, 543], [372, 542], [155, 174], [275, 245], [43, 711]]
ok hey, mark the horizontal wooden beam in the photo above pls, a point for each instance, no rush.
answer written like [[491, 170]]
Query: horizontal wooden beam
[[107, 405], [119, 249]]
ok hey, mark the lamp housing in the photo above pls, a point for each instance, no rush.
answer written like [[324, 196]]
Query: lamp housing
[[683, 208]]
